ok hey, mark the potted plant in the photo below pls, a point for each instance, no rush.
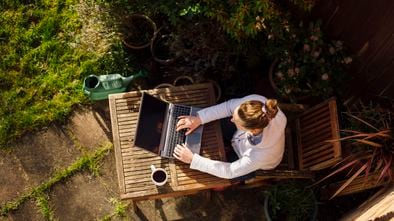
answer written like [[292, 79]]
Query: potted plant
[[368, 145], [308, 65], [166, 46], [138, 31], [290, 201]]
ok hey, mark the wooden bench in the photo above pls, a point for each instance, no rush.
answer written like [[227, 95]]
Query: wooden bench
[[133, 163]]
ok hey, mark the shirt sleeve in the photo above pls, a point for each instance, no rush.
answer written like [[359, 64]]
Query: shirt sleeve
[[225, 170], [218, 111], [225, 109]]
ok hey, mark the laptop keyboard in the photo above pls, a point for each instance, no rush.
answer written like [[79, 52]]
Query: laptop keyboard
[[175, 137]]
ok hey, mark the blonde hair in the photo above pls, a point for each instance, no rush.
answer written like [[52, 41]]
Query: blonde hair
[[257, 115]]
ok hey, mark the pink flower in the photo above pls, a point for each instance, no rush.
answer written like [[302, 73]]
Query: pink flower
[[297, 70], [314, 38], [332, 50], [324, 77], [315, 54], [291, 72], [307, 47]]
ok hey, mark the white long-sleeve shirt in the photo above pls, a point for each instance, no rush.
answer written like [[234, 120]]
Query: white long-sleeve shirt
[[265, 155]]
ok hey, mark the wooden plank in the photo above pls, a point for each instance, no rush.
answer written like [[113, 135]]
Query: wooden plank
[[377, 207], [321, 138], [311, 121], [383, 81], [317, 128], [324, 10], [118, 156], [337, 23]]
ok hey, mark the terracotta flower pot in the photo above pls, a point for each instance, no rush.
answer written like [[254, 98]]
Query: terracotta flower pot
[[163, 47], [138, 31], [271, 77]]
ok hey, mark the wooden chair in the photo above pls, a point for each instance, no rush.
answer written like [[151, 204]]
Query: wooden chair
[[310, 130]]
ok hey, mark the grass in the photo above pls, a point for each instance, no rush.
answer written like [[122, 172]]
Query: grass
[[119, 210], [86, 162], [45, 209], [47, 48]]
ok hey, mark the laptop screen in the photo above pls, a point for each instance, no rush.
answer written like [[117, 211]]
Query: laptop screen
[[150, 123]]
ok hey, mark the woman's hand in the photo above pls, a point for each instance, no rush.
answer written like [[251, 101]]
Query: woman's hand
[[183, 153], [188, 122]]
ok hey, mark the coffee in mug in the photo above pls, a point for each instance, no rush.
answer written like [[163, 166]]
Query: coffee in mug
[[159, 176]]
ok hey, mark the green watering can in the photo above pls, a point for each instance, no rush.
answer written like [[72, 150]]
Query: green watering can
[[99, 87]]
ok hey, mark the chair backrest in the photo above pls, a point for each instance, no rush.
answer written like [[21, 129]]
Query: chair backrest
[[317, 132]]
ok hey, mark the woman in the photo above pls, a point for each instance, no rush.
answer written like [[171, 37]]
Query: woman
[[258, 141]]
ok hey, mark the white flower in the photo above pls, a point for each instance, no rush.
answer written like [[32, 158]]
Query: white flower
[[279, 74], [287, 90], [307, 47], [324, 77], [258, 26], [348, 60], [339, 44]]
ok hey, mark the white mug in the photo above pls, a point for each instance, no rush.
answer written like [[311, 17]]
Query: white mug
[[158, 176]]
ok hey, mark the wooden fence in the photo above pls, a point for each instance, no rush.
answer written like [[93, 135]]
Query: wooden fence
[[367, 29]]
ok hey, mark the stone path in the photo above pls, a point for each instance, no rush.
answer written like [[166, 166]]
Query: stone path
[[37, 156]]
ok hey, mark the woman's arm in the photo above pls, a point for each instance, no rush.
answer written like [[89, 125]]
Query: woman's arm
[[225, 109], [225, 170], [242, 166]]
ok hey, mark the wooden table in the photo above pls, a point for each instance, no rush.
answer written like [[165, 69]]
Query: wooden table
[[133, 163]]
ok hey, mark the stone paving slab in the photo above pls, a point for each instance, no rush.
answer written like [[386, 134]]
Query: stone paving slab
[[13, 179], [44, 152], [81, 197], [37, 156], [91, 126], [27, 212]]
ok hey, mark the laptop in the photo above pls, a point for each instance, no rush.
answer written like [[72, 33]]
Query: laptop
[[156, 127]]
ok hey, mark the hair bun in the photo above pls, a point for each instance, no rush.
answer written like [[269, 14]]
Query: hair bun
[[271, 106]]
